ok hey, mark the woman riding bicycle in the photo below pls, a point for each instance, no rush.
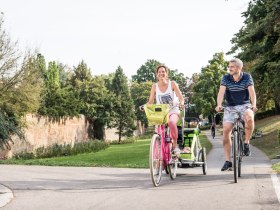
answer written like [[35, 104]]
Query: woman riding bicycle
[[167, 92]]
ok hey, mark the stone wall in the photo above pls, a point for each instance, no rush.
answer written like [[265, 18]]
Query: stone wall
[[44, 131]]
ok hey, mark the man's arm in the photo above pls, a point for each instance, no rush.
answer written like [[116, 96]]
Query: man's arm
[[253, 97], [220, 98]]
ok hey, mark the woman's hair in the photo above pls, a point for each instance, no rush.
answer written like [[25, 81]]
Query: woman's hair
[[162, 66]]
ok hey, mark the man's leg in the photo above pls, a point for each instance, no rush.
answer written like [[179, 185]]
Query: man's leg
[[249, 124], [227, 128], [249, 128]]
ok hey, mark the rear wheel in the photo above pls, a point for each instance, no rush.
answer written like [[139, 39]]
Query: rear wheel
[[235, 156], [203, 159], [155, 160]]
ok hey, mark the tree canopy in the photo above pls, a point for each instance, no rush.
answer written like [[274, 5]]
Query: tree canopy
[[258, 45]]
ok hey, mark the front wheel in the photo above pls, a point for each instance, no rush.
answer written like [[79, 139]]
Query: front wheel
[[155, 160], [235, 156]]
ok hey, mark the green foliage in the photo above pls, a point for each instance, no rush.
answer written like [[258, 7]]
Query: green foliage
[[58, 150], [180, 79], [125, 141], [140, 93], [146, 72], [59, 99], [265, 114], [206, 87], [8, 126], [123, 105], [205, 127], [258, 45], [20, 86], [95, 99]]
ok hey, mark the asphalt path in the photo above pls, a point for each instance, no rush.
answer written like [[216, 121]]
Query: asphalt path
[[41, 187]]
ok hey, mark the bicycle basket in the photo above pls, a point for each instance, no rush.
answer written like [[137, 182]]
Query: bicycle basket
[[157, 114]]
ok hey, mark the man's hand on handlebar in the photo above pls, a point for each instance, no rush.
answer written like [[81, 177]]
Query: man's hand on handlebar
[[255, 109], [219, 108]]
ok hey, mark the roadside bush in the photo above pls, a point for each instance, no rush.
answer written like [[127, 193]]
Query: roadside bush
[[265, 114], [24, 155], [125, 141], [205, 127], [57, 150]]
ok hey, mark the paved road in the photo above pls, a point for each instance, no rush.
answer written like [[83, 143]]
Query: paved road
[[40, 187]]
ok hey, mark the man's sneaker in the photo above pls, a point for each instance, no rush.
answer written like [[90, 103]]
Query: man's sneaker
[[227, 166], [247, 151]]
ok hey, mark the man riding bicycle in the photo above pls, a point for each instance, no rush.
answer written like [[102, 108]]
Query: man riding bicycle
[[213, 129], [237, 88]]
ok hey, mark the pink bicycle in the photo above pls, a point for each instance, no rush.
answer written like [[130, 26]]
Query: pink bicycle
[[161, 158]]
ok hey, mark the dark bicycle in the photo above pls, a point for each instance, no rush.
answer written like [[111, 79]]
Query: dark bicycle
[[237, 137]]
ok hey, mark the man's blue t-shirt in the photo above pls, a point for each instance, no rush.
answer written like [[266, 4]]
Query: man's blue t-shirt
[[237, 92]]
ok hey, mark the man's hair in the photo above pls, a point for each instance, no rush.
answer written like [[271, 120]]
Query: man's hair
[[237, 62]]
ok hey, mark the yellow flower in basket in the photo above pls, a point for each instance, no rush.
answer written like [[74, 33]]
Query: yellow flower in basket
[[157, 114]]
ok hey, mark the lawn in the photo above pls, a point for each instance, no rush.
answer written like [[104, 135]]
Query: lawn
[[134, 155], [269, 142]]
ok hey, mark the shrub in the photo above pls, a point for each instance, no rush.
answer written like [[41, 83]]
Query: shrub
[[57, 150], [265, 114], [205, 127], [125, 141], [24, 155]]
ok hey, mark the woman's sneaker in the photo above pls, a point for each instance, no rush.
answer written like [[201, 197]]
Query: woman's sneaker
[[227, 166], [176, 151]]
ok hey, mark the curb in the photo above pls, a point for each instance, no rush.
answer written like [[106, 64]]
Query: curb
[[6, 195]]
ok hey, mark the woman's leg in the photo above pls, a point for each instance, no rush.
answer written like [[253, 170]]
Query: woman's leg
[[172, 123]]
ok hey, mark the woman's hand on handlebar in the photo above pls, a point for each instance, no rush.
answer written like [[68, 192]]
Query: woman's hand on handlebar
[[141, 108]]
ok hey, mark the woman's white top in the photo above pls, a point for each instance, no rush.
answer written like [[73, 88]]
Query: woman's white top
[[167, 97]]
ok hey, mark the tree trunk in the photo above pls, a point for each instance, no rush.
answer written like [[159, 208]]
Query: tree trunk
[[99, 131]]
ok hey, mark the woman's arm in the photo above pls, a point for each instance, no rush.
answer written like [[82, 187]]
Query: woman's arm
[[178, 92]]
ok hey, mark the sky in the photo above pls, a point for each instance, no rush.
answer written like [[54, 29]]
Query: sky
[[182, 34]]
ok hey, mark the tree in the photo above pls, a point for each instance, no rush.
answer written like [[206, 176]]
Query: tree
[[123, 107], [140, 93], [180, 79], [205, 90], [95, 99], [59, 100], [258, 45], [20, 86], [146, 72]]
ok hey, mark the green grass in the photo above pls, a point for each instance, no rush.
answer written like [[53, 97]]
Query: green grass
[[269, 142], [205, 142], [134, 155]]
